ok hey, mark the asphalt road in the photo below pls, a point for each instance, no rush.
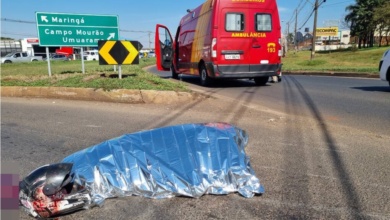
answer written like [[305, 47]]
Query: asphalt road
[[355, 102], [311, 168]]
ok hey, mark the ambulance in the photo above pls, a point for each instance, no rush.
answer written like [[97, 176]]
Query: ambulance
[[224, 39]]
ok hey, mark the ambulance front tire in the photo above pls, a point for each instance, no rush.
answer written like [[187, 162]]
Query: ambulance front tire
[[174, 73], [205, 80], [261, 81]]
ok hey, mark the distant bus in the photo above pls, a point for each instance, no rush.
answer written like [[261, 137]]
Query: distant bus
[[224, 39]]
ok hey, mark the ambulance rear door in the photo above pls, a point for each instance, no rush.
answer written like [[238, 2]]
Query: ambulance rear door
[[264, 31], [232, 41]]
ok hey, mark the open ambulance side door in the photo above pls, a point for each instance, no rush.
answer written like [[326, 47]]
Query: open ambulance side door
[[163, 46]]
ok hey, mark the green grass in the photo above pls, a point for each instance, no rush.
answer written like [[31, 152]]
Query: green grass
[[69, 74], [359, 61]]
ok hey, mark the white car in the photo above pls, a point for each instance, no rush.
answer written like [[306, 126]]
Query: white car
[[384, 67], [91, 55]]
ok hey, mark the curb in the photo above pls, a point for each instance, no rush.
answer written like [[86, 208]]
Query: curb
[[90, 94]]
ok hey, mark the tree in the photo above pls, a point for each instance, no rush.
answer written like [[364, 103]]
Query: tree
[[382, 21], [6, 38], [361, 20], [290, 38]]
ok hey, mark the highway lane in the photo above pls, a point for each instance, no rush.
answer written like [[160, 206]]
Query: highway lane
[[315, 159], [310, 169], [355, 102]]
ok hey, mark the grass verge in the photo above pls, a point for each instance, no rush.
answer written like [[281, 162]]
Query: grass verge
[[354, 61], [69, 74]]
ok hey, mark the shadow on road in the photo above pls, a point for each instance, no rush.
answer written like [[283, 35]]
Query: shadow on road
[[348, 188], [373, 88], [236, 110], [221, 83], [295, 179]]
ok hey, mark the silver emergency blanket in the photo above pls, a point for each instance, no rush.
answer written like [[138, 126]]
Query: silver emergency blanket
[[184, 160]]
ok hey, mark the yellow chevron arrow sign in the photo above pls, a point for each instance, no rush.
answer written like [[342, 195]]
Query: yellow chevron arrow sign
[[104, 52], [113, 52], [133, 52]]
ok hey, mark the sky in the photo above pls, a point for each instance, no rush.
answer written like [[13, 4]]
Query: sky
[[138, 19]]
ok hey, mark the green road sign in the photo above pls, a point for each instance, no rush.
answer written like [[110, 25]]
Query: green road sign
[[78, 30]]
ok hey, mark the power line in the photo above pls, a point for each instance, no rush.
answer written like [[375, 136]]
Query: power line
[[327, 5], [292, 16], [20, 34], [307, 19], [18, 21]]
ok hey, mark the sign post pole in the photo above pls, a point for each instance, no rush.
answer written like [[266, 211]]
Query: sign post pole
[[82, 60], [48, 61], [120, 71]]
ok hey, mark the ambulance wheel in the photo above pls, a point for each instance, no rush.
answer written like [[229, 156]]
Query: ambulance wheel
[[204, 77], [174, 73], [261, 81]]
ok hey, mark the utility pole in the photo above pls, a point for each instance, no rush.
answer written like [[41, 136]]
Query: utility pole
[[150, 41], [295, 31], [313, 42], [288, 32]]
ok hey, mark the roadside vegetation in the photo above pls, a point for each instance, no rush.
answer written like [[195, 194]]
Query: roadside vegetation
[[352, 60], [367, 17], [69, 73]]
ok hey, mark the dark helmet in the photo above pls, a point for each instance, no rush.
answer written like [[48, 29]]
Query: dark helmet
[[50, 191]]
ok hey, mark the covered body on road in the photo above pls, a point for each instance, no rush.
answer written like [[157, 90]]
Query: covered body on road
[[183, 160]]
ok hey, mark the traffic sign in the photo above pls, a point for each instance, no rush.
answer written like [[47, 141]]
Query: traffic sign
[[113, 52], [80, 30]]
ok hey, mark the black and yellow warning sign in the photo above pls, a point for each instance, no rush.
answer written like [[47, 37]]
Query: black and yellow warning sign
[[118, 52]]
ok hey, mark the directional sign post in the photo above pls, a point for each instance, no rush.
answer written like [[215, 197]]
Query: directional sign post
[[78, 30]]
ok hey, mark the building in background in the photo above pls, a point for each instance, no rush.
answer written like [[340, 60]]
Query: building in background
[[31, 46]]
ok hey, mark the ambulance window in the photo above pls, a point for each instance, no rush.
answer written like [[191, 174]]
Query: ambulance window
[[234, 22], [263, 22], [165, 38]]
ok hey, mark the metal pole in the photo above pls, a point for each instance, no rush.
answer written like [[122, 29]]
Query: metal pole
[[295, 30], [120, 71], [82, 60], [150, 46], [288, 31], [48, 61], [313, 43]]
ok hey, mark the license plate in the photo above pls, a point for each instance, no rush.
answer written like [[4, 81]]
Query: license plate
[[232, 56]]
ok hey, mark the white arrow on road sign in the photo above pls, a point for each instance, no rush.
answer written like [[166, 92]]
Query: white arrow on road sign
[[44, 18], [112, 35]]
